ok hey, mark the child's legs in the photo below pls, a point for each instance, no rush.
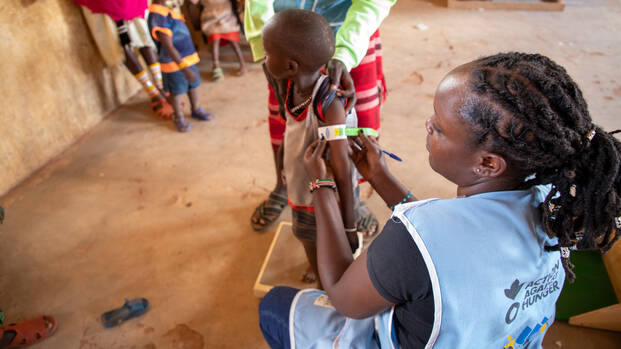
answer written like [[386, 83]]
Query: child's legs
[[177, 85], [192, 94], [131, 61], [148, 54], [240, 57], [305, 229], [215, 53], [176, 104]]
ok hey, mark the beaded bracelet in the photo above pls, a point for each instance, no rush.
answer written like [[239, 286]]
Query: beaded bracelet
[[321, 183], [403, 201]]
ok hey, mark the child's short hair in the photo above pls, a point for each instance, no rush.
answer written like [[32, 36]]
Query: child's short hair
[[304, 36]]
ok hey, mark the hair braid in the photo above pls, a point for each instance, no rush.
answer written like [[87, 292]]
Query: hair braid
[[529, 110]]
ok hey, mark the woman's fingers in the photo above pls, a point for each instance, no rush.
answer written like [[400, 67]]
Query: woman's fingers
[[310, 151]]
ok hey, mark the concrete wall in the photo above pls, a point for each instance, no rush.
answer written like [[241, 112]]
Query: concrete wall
[[54, 86]]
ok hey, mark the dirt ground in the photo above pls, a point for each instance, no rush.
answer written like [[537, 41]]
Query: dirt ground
[[135, 209]]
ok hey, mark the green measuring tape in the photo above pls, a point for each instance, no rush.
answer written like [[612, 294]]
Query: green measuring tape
[[353, 132]]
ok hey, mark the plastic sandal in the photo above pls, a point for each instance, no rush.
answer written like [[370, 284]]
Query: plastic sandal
[[162, 109], [131, 309], [202, 115], [182, 125], [217, 74], [268, 211], [367, 224], [30, 331]]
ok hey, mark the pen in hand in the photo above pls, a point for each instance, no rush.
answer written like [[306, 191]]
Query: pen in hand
[[394, 156]]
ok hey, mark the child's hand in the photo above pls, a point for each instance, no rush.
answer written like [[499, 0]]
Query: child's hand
[[368, 157], [314, 160], [189, 74]]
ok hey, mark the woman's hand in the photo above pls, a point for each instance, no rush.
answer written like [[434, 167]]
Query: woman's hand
[[368, 157], [314, 160]]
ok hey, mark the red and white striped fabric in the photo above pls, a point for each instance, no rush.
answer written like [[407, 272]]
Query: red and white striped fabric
[[370, 86]]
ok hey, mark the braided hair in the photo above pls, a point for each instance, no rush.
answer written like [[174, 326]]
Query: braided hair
[[526, 108]]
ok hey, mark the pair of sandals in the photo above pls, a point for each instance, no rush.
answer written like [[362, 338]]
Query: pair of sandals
[[184, 126], [269, 211]]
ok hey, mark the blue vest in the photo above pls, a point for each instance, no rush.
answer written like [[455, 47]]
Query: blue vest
[[315, 324], [494, 285], [333, 11]]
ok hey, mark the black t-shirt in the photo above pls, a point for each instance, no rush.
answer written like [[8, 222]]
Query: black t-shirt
[[398, 272]]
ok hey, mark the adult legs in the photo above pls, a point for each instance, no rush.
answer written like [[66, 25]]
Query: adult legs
[[269, 210]]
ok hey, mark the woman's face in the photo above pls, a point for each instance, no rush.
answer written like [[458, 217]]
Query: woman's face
[[448, 140]]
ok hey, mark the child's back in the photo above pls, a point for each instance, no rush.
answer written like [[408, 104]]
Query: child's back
[[298, 44]]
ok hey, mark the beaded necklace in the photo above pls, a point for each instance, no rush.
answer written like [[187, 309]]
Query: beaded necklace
[[300, 106], [295, 109]]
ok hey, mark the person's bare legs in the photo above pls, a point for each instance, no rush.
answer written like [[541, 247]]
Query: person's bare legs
[[178, 118], [193, 95], [311, 274], [215, 56], [240, 57], [151, 58], [133, 64]]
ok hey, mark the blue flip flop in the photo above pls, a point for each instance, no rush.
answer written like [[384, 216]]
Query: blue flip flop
[[131, 309]]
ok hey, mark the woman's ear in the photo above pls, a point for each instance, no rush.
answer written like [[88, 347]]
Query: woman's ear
[[491, 165]]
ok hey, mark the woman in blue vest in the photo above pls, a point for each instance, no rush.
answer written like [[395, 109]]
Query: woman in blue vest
[[535, 179]]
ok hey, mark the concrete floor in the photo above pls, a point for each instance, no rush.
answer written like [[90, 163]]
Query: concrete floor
[[135, 209]]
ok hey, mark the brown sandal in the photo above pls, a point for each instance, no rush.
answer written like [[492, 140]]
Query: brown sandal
[[30, 331]]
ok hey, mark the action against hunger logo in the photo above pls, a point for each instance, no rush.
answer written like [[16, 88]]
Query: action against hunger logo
[[535, 291], [515, 288]]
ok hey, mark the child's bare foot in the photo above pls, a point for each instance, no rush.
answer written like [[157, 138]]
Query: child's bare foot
[[241, 71], [309, 276]]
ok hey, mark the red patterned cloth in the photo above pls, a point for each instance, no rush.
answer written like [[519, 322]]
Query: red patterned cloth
[[224, 37], [116, 9], [367, 76]]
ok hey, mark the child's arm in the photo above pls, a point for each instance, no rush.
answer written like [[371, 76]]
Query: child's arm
[[167, 44], [340, 163]]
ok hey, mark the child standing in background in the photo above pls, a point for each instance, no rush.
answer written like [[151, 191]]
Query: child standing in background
[[178, 60], [220, 25], [129, 16]]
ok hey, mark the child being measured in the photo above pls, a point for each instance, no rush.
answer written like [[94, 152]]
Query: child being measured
[[298, 43], [178, 60]]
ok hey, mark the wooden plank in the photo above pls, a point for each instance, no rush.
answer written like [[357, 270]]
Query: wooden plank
[[608, 318], [284, 263], [555, 5]]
